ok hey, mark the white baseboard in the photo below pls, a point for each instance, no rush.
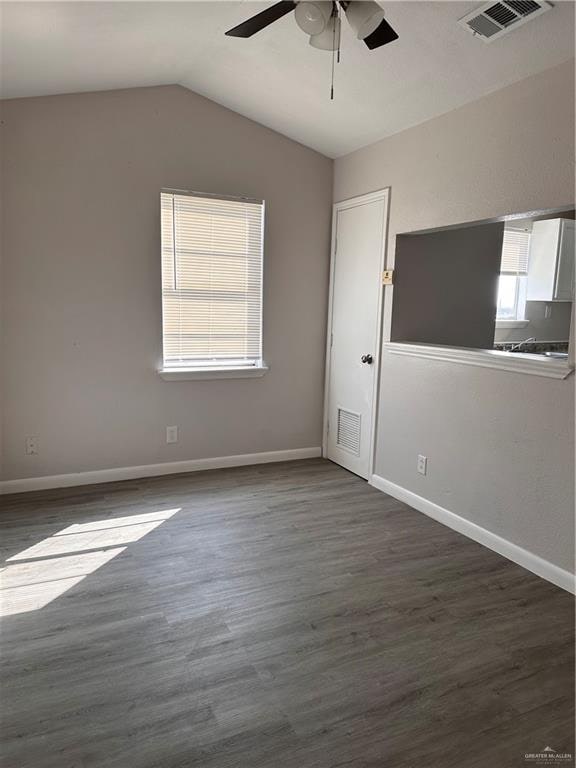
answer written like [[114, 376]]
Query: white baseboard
[[518, 555], [153, 470]]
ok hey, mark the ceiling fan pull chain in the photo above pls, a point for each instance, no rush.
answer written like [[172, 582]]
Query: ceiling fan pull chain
[[335, 14], [339, 32], [332, 80]]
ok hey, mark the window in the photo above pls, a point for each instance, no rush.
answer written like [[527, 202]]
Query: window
[[513, 274], [211, 282]]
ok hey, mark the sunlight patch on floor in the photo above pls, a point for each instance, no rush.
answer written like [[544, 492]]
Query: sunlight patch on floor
[[95, 535], [34, 577]]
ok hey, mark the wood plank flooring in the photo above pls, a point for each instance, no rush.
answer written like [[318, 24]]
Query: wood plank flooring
[[279, 616]]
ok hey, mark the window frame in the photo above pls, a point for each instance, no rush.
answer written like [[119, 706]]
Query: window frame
[[216, 369], [518, 320], [502, 362]]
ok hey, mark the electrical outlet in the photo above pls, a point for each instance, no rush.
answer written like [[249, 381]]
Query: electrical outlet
[[171, 434], [547, 312], [32, 446], [422, 464]]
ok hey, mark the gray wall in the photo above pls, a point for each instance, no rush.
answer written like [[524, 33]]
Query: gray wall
[[445, 286], [500, 444], [81, 281]]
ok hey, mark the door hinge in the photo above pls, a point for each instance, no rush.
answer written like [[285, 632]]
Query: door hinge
[[327, 428], [331, 340], [388, 277]]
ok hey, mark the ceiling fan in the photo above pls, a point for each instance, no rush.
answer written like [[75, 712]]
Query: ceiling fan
[[321, 20]]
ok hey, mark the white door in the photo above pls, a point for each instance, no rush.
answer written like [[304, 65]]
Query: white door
[[359, 236]]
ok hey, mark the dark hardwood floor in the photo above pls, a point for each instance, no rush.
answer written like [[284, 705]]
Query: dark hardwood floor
[[284, 616]]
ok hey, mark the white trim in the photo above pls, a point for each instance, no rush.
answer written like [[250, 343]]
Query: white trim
[[189, 374], [517, 362], [511, 323], [534, 563], [212, 195], [154, 470], [370, 197]]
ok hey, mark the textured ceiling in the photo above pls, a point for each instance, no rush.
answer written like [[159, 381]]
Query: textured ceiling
[[275, 77]]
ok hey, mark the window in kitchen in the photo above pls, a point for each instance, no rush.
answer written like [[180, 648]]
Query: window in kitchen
[[512, 283]]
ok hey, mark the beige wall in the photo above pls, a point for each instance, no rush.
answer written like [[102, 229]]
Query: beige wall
[[81, 281], [500, 444]]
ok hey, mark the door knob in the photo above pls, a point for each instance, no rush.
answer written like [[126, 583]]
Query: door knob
[[367, 359]]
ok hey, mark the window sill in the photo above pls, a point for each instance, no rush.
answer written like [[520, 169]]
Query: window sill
[[512, 323], [534, 365], [194, 374]]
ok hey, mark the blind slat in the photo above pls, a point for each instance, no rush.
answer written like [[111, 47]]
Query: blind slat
[[211, 280]]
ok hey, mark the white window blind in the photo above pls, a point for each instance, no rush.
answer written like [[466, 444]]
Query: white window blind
[[512, 285], [211, 280], [515, 247]]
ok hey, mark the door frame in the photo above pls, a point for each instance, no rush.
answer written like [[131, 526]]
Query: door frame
[[352, 202]]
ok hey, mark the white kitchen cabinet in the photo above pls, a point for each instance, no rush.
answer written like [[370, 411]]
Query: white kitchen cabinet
[[551, 261]]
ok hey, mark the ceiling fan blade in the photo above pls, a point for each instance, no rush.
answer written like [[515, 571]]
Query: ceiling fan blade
[[382, 34], [262, 19]]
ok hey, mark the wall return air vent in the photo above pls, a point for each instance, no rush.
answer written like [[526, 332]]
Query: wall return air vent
[[493, 20]]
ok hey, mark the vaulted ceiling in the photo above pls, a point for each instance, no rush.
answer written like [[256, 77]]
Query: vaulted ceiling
[[275, 77]]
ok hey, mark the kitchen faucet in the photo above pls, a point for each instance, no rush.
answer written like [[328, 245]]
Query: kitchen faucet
[[521, 343]]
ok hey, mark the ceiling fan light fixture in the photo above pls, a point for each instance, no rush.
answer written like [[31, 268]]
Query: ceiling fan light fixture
[[329, 40], [364, 16], [313, 17]]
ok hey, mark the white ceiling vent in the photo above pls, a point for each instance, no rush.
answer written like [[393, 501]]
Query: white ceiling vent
[[492, 20]]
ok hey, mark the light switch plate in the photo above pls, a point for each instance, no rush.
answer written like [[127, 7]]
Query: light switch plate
[[388, 277]]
